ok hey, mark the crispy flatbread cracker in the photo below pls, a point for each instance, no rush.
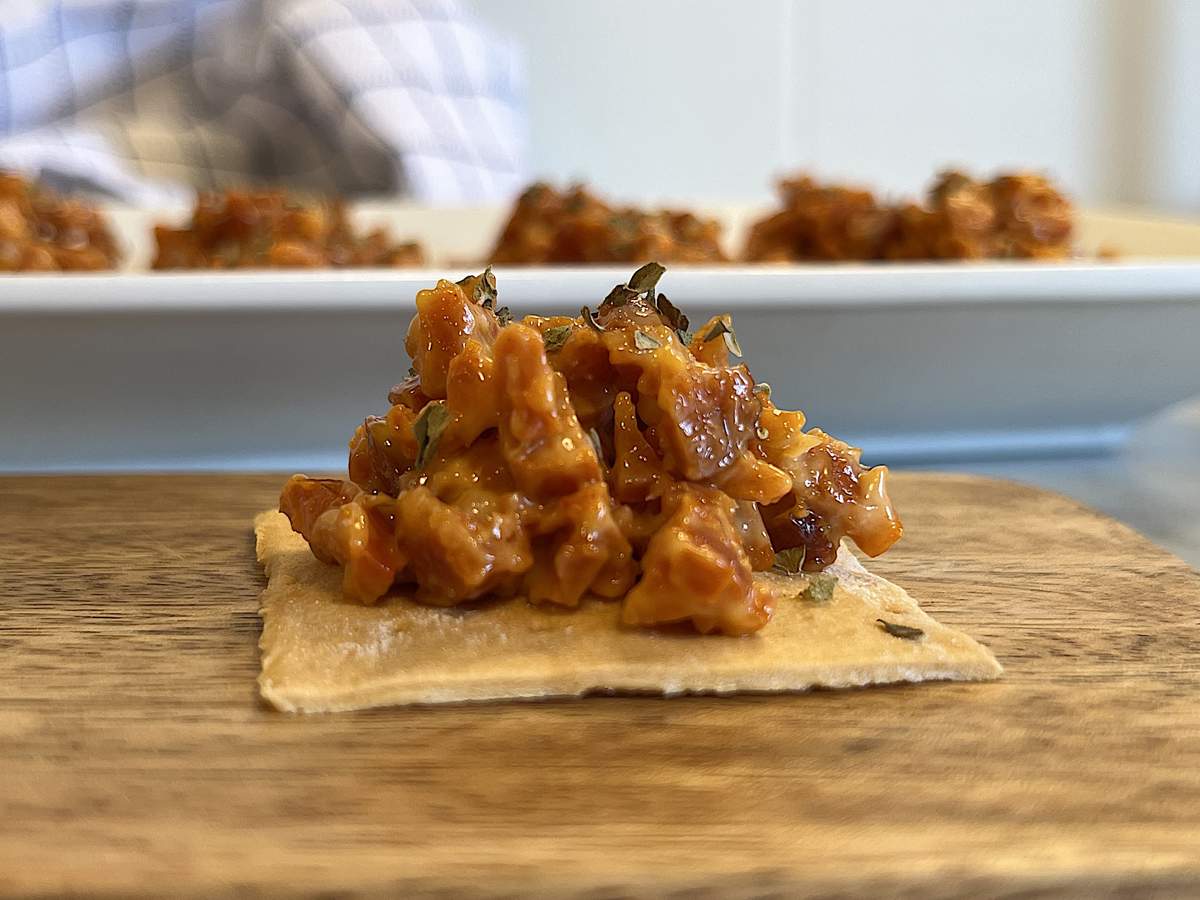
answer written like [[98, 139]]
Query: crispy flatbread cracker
[[321, 653]]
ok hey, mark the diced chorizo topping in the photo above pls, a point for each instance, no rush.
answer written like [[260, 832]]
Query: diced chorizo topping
[[560, 458], [696, 570]]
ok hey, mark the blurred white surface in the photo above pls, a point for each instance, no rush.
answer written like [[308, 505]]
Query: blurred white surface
[[653, 99], [711, 99]]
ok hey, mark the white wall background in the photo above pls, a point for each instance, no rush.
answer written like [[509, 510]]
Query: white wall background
[[712, 99]]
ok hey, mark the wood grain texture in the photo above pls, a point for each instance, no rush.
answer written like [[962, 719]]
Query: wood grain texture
[[136, 758]]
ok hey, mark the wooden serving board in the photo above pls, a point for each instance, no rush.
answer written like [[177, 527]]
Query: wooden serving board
[[136, 758]]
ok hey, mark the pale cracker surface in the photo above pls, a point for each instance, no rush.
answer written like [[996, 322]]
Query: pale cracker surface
[[321, 653]]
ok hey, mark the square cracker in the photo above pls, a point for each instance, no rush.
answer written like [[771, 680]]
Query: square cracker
[[321, 653]]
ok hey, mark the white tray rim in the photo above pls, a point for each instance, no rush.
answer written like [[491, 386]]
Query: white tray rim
[[543, 289]]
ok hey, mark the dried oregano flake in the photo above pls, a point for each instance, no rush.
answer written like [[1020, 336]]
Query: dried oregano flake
[[555, 337], [645, 279], [590, 319], [428, 428], [485, 292], [673, 316], [820, 587], [907, 632], [642, 282], [789, 562], [644, 341], [723, 327]]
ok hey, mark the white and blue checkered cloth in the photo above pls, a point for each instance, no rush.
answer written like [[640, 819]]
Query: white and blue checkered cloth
[[146, 100]]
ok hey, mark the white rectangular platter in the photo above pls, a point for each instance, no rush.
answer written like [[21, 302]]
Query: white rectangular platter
[[141, 370]]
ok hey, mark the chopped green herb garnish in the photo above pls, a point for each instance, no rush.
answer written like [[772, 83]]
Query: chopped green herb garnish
[[618, 296], [485, 287], [723, 327], [555, 337], [673, 316], [645, 279], [642, 282], [428, 428], [907, 632], [644, 341], [590, 318], [789, 562], [820, 587]]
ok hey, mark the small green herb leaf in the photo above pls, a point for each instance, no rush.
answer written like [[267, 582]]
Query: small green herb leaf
[[672, 315], [503, 316], [907, 632], [618, 296], [645, 279], [723, 327], [820, 587], [718, 328], [686, 336], [644, 341], [428, 428], [555, 337], [642, 282], [788, 562], [485, 287], [590, 318]]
